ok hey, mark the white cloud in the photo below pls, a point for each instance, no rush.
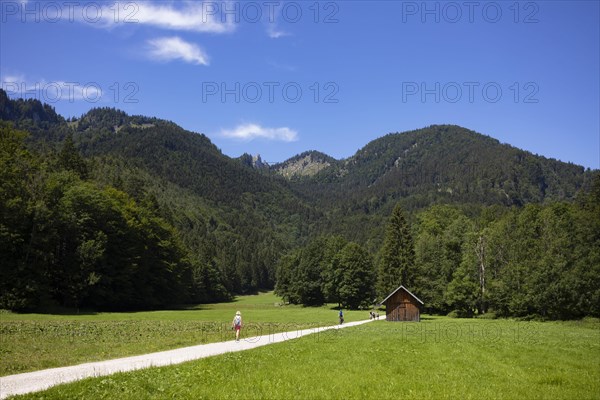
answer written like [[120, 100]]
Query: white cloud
[[50, 91], [253, 131], [274, 33], [192, 16], [187, 16], [13, 79], [174, 48], [272, 27]]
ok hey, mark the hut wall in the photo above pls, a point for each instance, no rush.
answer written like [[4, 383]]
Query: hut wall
[[402, 307]]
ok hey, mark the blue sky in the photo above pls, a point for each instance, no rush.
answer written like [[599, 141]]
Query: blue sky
[[278, 78]]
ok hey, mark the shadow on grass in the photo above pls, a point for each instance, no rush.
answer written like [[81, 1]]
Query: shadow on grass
[[58, 311], [68, 311]]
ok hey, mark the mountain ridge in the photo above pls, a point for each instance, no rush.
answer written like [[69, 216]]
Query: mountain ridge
[[22, 109], [438, 163], [349, 158], [230, 220]]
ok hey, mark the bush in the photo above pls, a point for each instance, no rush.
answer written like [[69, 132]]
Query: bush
[[488, 315], [459, 314]]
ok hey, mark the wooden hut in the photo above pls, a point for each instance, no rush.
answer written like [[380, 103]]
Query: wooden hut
[[402, 305]]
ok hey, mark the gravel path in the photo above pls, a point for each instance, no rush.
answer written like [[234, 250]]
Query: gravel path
[[41, 380]]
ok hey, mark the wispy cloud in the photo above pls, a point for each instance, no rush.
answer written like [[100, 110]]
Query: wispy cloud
[[184, 16], [50, 91], [273, 29], [175, 48], [274, 32], [254, 131], [191, 16], [12, 79]]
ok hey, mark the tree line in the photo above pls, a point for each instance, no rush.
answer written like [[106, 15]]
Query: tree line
[[328, 270], [118, 211], [66, 240], [96, 233], [532, 261]]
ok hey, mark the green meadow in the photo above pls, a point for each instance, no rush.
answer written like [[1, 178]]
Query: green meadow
[[437, 358], [31, 342]]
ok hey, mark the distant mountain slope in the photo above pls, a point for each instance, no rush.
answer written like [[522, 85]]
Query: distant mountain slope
[[185, 158], [233, 219], [444, 163], [164, 149], [239, 215], [308, 163]]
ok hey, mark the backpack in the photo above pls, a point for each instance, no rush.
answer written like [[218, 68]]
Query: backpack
[[237, 321]]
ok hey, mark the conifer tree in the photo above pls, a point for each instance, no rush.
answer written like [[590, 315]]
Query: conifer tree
[[397, 257]]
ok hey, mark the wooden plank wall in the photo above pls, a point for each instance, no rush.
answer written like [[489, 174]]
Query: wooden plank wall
[[402, 307]]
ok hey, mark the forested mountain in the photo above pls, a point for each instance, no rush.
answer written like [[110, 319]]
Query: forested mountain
[[445, 163], [116, 211], [233, 221], [441, 164]]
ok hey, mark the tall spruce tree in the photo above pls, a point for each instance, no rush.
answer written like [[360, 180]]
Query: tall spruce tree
[[397, 257]]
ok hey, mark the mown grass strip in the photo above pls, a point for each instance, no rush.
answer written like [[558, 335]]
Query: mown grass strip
[[435, 359]]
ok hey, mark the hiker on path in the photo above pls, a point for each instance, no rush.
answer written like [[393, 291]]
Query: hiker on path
[[237, 325], [341, 317]]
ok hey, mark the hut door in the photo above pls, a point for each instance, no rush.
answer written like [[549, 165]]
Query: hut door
[[402, 312]]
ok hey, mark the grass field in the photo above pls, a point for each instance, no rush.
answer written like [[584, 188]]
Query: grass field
[[435, 359], [31, 342]]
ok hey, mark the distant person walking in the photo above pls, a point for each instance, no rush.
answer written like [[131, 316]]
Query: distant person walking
[[237, 325], [341, 317]]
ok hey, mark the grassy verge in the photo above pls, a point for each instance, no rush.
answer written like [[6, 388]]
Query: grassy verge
[[438, 358], [31, 342]]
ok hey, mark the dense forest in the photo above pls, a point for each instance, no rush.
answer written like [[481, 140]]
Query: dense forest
[[533, 261], [111, 211]]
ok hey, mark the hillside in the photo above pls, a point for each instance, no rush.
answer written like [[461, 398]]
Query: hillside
[[442, 163], [222, 223], [210, 200]]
